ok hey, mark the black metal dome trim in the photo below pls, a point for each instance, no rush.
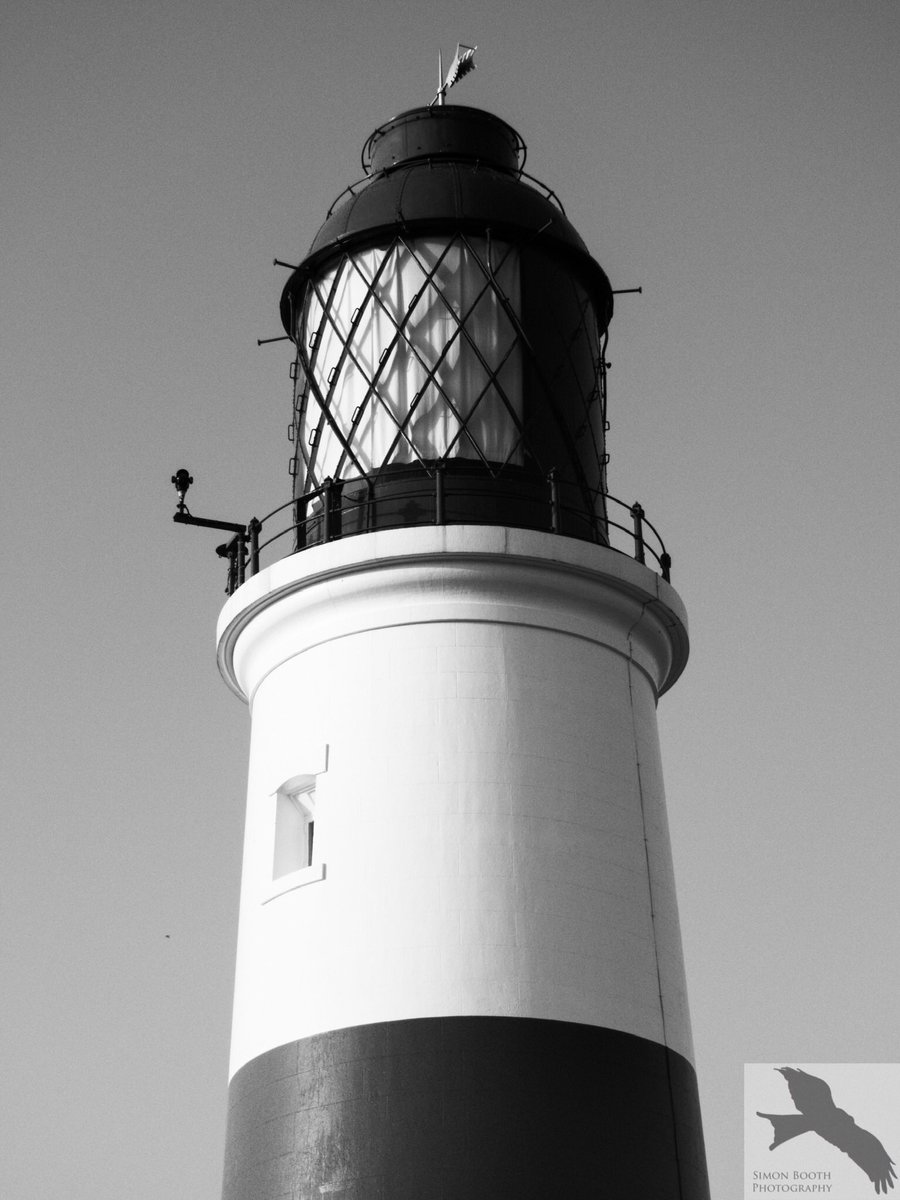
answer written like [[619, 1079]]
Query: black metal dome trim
[[449, 131], [443, 171], [582, 265]]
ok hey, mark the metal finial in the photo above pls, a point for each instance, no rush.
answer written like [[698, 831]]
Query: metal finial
[[463, 63]]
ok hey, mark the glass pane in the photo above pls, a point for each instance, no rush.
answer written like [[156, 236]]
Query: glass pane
[[413, 356]]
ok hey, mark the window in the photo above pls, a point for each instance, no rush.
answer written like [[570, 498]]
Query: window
[[295, 829], [296, 858], [434, 367]]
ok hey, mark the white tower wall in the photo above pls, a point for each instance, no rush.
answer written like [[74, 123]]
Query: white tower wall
[[475, 708]]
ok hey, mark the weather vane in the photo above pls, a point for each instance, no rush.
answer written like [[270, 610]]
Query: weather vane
[[463, 63]]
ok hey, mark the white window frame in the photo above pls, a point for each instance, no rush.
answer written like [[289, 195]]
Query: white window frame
[[293, 810]]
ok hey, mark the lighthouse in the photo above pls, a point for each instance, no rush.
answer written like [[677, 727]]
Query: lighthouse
[[459, 971]]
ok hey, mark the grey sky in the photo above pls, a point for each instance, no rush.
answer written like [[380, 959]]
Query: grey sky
[[738, 161]]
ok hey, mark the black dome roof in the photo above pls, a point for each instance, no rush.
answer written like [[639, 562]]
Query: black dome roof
[[446, 169]]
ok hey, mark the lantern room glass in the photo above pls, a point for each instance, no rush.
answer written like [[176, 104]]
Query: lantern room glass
[[412, 355], [465, 352]]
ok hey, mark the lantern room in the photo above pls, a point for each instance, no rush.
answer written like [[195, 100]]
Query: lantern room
[[450, 328]]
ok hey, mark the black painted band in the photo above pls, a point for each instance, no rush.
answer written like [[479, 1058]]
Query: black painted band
[[466, 1108]]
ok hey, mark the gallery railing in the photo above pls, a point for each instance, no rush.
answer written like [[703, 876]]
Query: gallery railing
[[344, 508]]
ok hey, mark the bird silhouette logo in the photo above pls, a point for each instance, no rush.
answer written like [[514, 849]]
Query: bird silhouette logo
[[817, 1113]]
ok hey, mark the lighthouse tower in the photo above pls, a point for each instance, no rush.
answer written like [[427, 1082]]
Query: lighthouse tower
[[459, 970]]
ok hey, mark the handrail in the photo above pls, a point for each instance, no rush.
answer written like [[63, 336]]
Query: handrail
[[336, 509], [545, 188], [359, 185]]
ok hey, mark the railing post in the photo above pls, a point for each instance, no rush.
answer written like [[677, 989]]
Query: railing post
[[231, 583], [554, 500], [337, 511], [326, 509], [240, 551], [637, 514], [254, 528], [439, 508], [229, 550], [301, 520]]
